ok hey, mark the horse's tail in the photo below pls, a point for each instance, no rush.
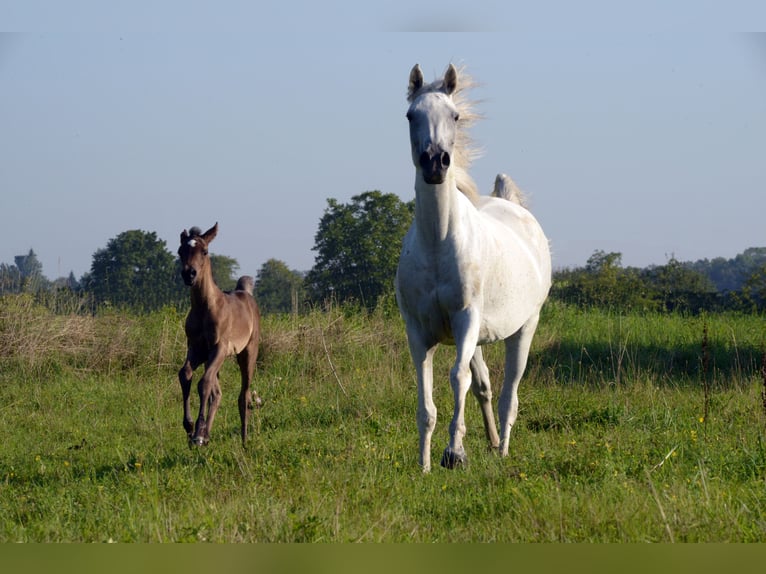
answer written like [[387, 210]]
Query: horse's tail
[[505, 188], [245, 283]]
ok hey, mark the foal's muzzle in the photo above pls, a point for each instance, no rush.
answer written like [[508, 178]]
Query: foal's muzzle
[[189, 275], [434, 166]]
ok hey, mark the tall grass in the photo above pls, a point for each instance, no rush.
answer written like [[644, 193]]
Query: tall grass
[[611, 444]]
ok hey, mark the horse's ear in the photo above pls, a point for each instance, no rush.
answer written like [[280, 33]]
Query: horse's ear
[[184, 237], [210, 234], [450, 80], [416, 81]]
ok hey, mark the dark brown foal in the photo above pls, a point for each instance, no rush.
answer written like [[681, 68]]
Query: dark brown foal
[[219, 324]]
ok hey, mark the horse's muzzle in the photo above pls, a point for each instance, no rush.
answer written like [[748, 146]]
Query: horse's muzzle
[[189, 275], [434, 166]]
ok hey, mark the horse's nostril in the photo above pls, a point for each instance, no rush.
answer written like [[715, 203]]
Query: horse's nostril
[[445, 159]]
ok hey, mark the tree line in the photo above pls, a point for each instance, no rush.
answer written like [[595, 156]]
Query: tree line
[[357, 250]]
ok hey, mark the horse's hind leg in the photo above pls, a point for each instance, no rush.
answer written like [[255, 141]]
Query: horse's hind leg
[[246, 360], [516, 355], [482, 390]]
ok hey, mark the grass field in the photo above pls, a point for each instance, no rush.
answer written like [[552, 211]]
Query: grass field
[[631, 428]]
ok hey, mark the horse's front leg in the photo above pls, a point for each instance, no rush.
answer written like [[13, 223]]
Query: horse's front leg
[[185, 378], [465, 329], [422, 358], [209, 397]]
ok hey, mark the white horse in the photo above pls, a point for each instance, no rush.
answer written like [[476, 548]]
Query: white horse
[[473, 269]]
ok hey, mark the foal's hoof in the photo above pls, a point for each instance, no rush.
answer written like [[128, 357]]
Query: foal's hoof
[[198, 441], [453, 459]]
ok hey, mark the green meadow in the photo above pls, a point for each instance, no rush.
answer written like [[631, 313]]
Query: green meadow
[[632, 428]]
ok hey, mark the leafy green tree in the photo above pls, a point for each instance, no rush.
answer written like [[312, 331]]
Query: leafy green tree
[[603, 282], [135, 270], [678, 287], [278, 288], [731, 274], [358, 247], [752, 296], [224, 271]]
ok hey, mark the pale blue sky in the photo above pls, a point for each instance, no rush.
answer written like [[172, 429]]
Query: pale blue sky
[[639, 130]]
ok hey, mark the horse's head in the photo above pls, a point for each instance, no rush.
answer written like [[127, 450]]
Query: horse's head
[[433, 118], [193, 252]]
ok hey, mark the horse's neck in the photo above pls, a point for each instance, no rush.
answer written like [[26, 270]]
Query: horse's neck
[[205, 293], [439, 210]]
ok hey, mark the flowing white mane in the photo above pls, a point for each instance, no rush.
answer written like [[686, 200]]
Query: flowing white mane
[[465, 151]]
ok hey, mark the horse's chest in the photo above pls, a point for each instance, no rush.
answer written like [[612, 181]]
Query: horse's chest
[[433, 296], [204, 334]]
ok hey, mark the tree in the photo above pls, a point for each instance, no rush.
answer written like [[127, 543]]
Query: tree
[[135, 270], [224, 270], [680, 288], [278, 289], [358, 247], [604, 283], [753, 294]]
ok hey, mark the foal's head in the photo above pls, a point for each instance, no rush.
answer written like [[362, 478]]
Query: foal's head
[[193, 252]]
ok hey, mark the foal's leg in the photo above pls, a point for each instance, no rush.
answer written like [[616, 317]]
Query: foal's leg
[[516, 355], [185, 378], [209, 397], [246, 360], [482, 390], [465, 329]]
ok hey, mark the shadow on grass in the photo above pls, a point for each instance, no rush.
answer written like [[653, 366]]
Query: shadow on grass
[[567, 362]]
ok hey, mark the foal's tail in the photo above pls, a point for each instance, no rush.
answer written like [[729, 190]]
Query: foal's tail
[[245, 283], [505, 188]]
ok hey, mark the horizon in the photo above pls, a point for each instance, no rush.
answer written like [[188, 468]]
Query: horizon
[[645, 140]]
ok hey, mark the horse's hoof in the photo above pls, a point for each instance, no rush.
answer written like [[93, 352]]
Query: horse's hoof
[[198, 441], [453, 459]]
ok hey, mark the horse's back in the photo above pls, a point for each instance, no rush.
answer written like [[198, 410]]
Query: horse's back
[[517, 266], [246, 304], [517, 233]]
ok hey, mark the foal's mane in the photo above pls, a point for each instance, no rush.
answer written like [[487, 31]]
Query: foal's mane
[[465, 151]]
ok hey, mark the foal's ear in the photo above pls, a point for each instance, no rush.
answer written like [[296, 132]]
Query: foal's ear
[[416, 81], [184, 237], [210, 234], [450, 80]]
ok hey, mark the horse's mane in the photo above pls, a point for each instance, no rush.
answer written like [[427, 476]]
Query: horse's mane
[[465, 151]]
